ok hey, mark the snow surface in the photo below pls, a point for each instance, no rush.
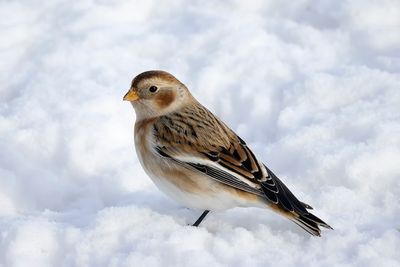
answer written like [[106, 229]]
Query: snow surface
[[312, 86]]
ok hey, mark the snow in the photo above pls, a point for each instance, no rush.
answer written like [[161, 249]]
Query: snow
[[312, 86]]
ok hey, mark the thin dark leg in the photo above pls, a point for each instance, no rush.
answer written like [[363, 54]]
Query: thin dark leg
[[201, 218]]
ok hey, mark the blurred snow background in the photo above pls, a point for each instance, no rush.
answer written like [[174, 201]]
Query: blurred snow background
[[313, 86]]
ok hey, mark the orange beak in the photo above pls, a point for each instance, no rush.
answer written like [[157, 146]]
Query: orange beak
[[131, 96]]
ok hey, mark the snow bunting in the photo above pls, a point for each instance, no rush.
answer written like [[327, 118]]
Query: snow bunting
[[196, 159]]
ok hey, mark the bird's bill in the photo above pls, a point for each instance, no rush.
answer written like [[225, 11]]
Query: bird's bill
[[131, 96]]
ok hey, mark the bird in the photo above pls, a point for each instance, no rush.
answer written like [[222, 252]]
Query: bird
[[197, 160]]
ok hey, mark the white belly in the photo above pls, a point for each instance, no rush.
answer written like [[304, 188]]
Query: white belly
[[207, 200]]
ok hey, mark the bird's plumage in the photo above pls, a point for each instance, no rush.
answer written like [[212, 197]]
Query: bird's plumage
[[195, 158]]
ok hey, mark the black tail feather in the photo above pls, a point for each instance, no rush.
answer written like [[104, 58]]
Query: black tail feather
[[278, 193], [311, 217], [310, 223]]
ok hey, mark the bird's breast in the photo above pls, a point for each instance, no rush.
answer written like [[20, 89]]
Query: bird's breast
[[162, 171]]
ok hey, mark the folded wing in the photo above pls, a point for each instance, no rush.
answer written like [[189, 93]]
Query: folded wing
[[229, 161]]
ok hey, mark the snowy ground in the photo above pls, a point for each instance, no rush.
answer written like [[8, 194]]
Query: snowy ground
[[312, 86]]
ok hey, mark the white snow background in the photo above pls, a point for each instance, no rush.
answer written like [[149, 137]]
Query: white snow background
[[312, 86]]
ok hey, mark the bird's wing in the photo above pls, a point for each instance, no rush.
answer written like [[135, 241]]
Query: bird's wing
[[209, 146]]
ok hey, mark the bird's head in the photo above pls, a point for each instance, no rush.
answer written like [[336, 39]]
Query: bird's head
[[155, 93]]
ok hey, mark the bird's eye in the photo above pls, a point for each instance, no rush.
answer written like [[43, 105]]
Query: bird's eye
[[153, 89]]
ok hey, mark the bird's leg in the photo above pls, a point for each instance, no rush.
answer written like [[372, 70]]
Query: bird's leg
[[201, 218]]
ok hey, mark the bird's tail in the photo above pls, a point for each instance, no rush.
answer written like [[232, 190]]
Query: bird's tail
[[283, 201], [309, 223]]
